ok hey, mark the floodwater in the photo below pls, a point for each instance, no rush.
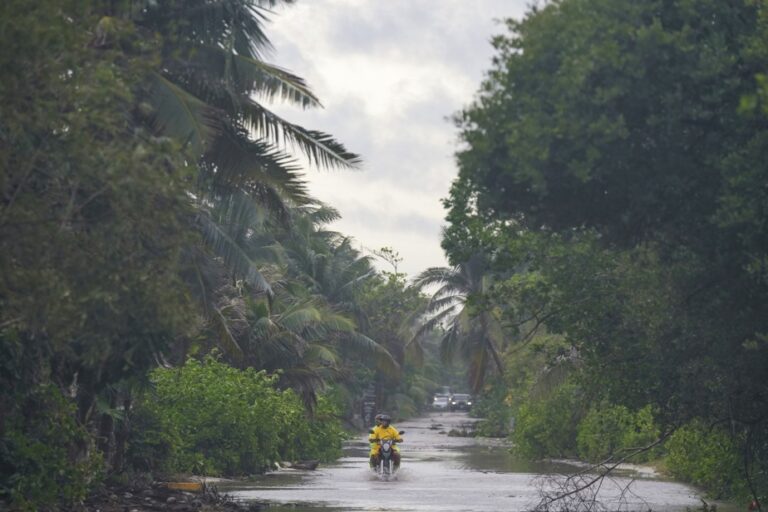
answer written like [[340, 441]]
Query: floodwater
[[442, 473]]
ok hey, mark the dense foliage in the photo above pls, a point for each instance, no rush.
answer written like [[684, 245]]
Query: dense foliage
[[607, 232], [38, 469], [152, 209], [709, 457], [212, 419], [613, 174]]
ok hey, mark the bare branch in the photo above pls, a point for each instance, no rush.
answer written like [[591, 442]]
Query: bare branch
[[578, 491]]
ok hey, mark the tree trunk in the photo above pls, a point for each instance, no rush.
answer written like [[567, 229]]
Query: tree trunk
[[121, 436], [106, 438]]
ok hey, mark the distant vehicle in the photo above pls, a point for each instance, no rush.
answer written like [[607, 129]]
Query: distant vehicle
[[440, 402], [460, 402]]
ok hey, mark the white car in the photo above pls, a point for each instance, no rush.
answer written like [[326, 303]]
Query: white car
[[440, 402]]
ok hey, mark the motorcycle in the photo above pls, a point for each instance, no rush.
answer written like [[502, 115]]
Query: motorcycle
[[386, 467]]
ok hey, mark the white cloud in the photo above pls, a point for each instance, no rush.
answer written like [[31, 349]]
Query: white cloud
[[389, 73]]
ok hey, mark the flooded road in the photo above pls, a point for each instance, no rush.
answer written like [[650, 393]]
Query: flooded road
[[442, 473]]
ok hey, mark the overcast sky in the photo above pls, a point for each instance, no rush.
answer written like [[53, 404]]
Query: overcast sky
[[389, 73]]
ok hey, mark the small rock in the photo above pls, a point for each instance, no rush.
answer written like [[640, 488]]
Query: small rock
[[113, 497], [197, 503], [127, 495], [171, 500]]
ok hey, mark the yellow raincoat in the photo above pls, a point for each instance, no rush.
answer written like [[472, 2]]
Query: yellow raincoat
[[381, 432]]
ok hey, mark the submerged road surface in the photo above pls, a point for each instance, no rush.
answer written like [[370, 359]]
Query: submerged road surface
[[442, 473]]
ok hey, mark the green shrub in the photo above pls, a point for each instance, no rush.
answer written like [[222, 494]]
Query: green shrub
[[494, 410], [207, 417], [46, 458], [709, 458], [151, 443], [318, 438], [614, 429], [547, 427]]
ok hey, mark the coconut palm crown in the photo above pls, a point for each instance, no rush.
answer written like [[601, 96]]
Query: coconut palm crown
[[472, 329]]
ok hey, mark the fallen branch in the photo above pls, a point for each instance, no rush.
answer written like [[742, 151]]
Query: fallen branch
[[577, 492]]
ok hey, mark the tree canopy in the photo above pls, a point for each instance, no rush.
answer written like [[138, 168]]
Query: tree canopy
[[153, 209], [613, 169]]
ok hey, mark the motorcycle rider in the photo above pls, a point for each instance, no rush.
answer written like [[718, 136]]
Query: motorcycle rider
[[381, 432], [374, 445]]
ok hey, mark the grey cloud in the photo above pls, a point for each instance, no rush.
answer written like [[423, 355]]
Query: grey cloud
[[411, 222], [406, 143]]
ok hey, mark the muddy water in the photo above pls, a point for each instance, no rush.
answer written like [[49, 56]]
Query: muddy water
[[442, 473]]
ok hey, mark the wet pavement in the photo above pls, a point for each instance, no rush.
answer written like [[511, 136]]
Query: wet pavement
[[442, 473]]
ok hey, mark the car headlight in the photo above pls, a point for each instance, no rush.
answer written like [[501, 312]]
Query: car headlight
[[469, 403]]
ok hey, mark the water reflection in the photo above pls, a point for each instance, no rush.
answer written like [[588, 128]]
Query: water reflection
[[442, 473]]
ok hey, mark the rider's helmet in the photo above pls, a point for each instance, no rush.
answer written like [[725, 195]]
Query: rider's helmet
[[385, 419], [378, 418]]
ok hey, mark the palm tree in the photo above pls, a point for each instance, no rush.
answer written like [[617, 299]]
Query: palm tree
[[306, 340], [471, 325], [325, 261], [212, 72], [325, 268], [208, 92]]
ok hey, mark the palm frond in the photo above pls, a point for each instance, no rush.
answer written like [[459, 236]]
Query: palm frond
[[438, 304], [439, 275], [254, 76], [238, 213], [266, 251], [323, 354], [270, 176], [181, 115], [306, 382], [357, 281], [432, 323], [414, 352], [321, 149], [215, 22], [201, 275], [450, 289], [263, 328], [338, 323], [299, 319], [322, 214], [449, 344], [384, 360], [226, 338], [283, 350], [478, 366], [232, 254]]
